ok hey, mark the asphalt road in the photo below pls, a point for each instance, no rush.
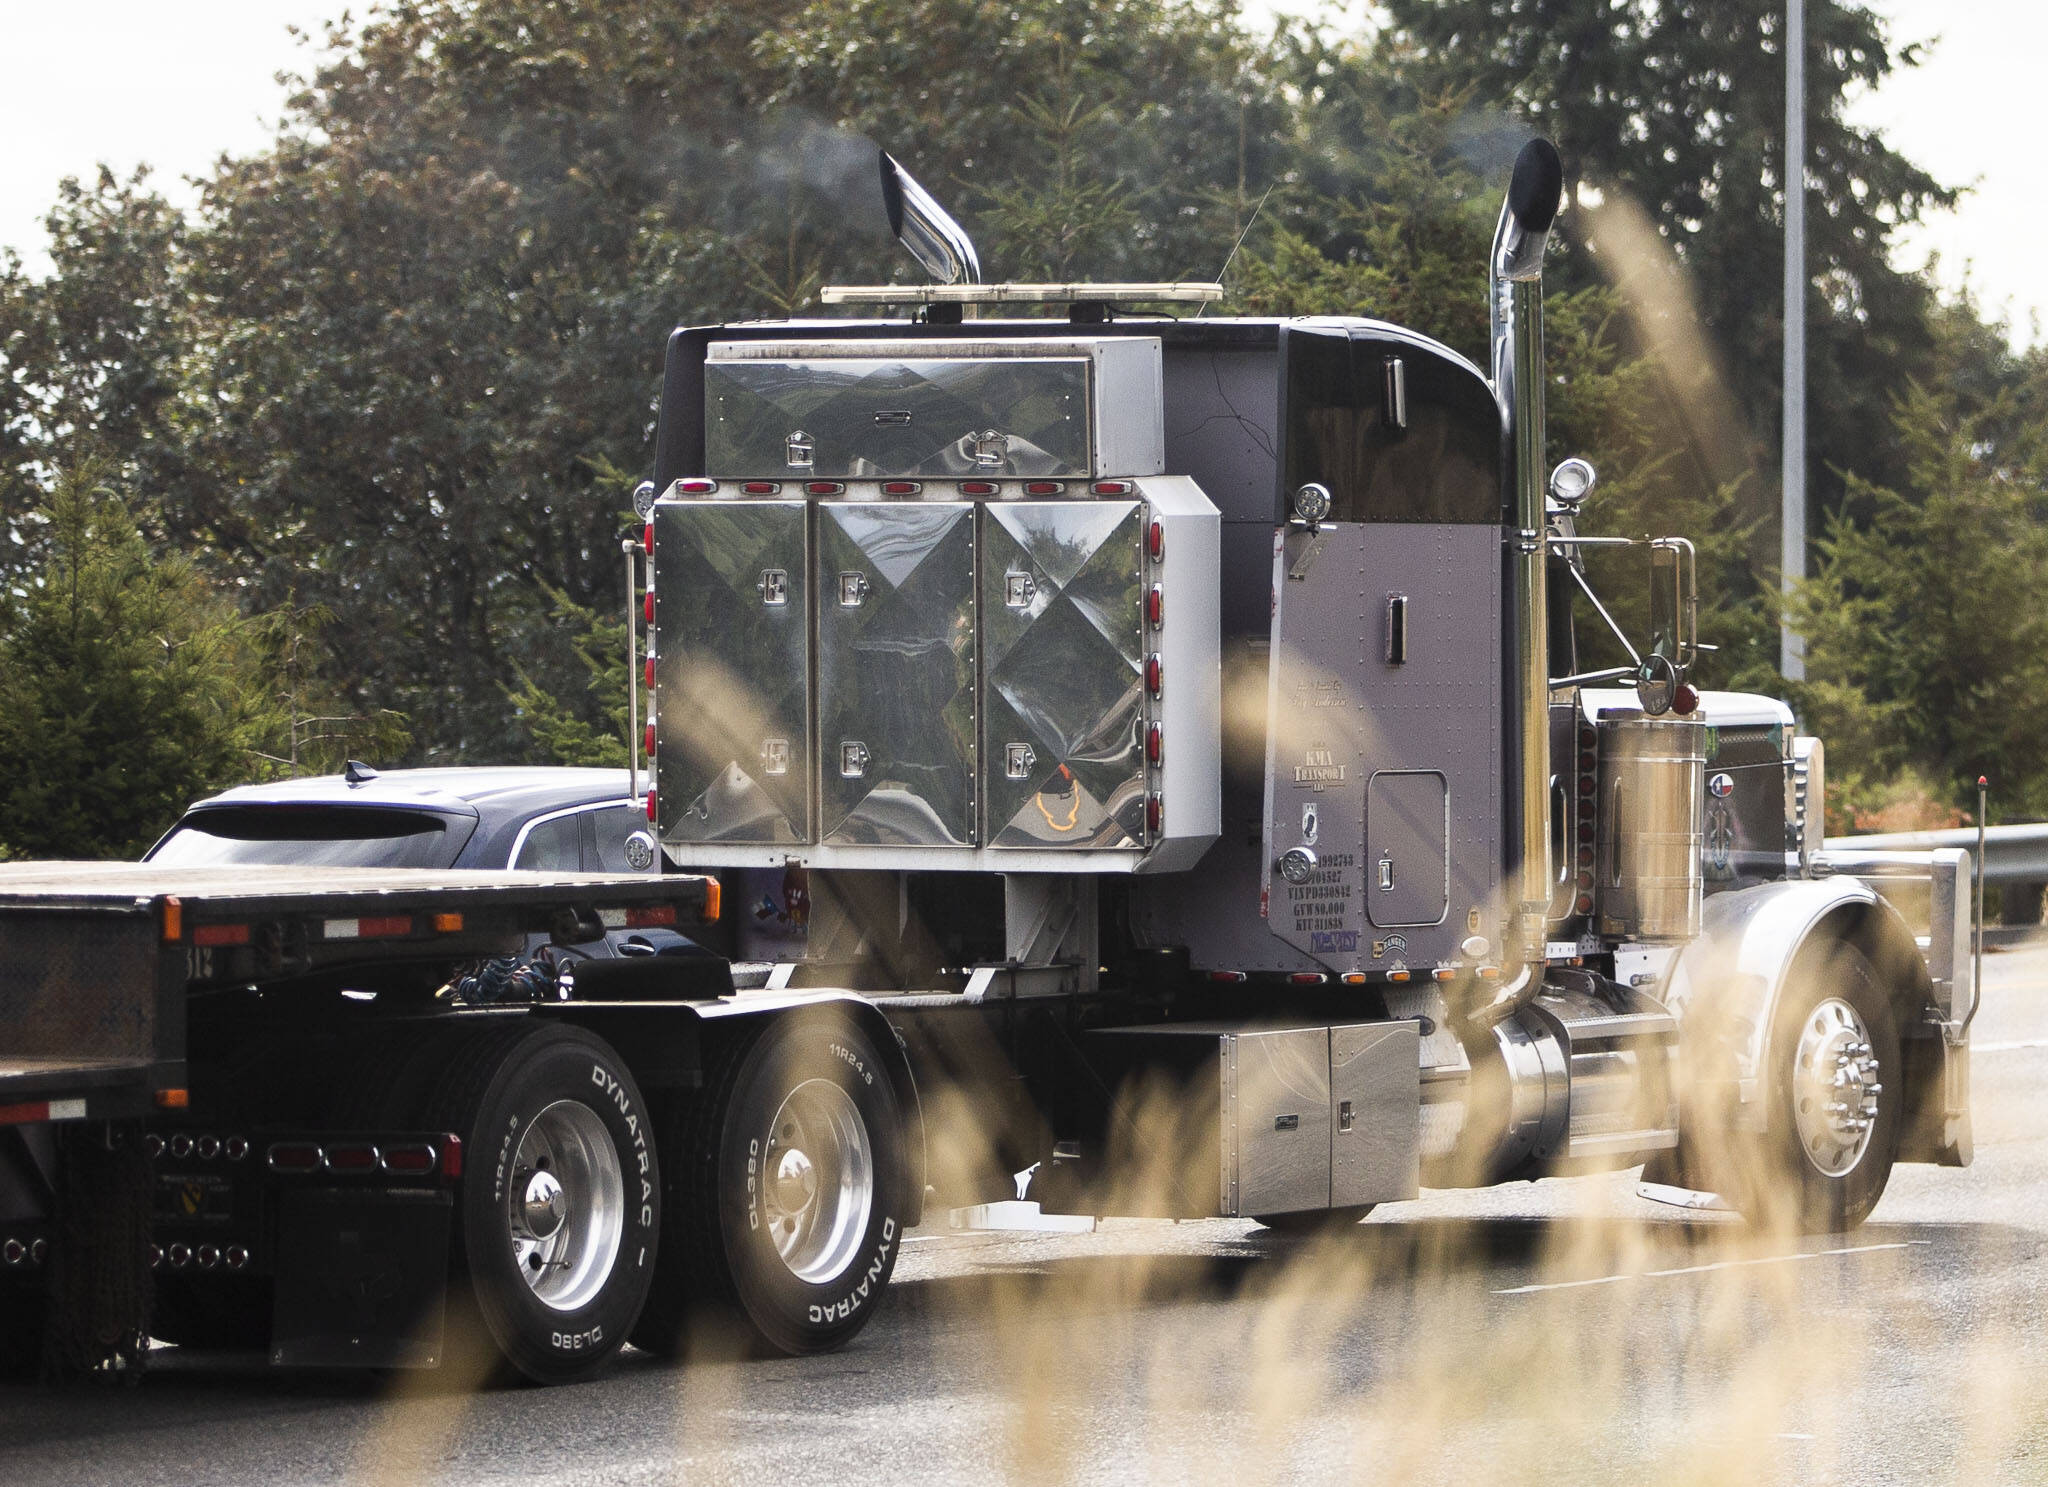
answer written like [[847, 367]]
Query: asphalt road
[[1559, 1331]]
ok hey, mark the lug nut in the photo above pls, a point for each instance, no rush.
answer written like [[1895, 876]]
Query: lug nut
[[209, 1147]]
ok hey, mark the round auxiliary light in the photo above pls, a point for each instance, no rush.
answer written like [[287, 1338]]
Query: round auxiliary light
[[1296, 863], [1572, 481], [1312, 504], [643, 498]]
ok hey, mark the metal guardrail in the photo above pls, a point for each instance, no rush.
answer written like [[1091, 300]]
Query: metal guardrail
[[2012, 854]]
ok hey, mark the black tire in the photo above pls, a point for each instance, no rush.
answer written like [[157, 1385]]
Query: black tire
[[562, 1096], [725, 1177], [1315, 1222], [1781, 1183]]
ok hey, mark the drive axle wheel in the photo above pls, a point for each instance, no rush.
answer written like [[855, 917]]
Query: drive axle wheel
[[559, 1215], [790, 1186], [1835, 1097]]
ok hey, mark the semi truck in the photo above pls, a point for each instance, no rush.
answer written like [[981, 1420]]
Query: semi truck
[[1133, 752]]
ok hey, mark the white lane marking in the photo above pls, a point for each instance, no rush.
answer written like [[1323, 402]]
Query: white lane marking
[[2013, 1047], [1608, 1280]]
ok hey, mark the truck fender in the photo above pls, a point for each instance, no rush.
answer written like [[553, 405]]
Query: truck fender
[[1725, 987], [731, 1012]]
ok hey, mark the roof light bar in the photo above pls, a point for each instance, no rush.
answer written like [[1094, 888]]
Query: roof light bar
[[1178, 292]]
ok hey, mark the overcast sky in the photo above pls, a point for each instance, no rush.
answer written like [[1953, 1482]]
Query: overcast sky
[[176, 82]]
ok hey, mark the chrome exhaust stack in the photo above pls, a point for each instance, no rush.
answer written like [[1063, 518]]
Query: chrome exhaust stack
[[926, 229], [1516, 318]]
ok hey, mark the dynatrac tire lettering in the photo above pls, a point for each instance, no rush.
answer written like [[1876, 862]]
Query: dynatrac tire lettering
[[847, 1305], [603, 1079]]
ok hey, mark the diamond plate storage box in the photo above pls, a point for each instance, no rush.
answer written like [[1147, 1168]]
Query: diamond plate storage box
[[865, 410]]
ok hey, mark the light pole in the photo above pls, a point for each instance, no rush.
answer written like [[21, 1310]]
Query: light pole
[[1792, 532]]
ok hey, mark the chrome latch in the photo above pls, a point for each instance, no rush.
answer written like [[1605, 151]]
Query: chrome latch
[[988, 448], [1019, 589], [853, 587], [853, 759], [775, 756], [1017, 760], [1387, 874], [798, 449], [774, 586]]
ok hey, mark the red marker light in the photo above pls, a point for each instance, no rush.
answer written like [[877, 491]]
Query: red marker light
[[451, 1161], [1685, 699], [1155, 674], [1155, 607], [977, 487], [647, 606], [650, 671], [697, 486], [1155, 815], [650, 805], [1155, 541], [1111, 487], [1043, 488], [901, 487], [1155, 744], [824, 487], [760, 487], [1307, 978], [220, 934], [647, 539], [649, 749]]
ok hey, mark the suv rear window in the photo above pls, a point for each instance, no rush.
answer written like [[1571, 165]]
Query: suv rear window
[[314, 836]]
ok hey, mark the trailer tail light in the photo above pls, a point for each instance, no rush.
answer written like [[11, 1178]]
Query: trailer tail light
[[1585, 903], [761, 487], [1155, 540], [649, 748], [1155, 815], [697, 487], [220, 934], [296, 1156], [1155, 674], [1111, 488], [1155, 607], [824, 487], [650, 805], [645, 916], [901, 487], [650, 671], [1044, 488], [410, 1161], [1155, 745], [977, 487]]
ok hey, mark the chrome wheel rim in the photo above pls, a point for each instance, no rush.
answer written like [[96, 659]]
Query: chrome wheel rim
[[565, 1206], [818, 1181], [1835, 1088]]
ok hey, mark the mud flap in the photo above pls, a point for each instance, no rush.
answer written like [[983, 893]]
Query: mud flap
[[362, 1279]]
